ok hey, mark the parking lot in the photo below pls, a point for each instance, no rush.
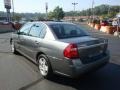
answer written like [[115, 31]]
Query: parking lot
[[18, 73]]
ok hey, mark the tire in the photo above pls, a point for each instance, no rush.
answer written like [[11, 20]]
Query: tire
[[44, 66], [13, 50]]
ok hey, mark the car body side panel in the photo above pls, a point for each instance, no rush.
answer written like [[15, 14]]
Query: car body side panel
[[54, 51]]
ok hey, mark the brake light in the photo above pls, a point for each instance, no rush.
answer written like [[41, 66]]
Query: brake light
[[71, 51]]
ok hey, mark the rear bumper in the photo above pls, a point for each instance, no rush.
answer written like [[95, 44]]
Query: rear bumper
[[75, 68], [84, 68]]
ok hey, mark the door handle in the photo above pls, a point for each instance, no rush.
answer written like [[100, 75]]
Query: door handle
[[36, 42], [22, 40]]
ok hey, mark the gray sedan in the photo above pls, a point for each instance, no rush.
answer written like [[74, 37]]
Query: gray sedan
[[60, 47]]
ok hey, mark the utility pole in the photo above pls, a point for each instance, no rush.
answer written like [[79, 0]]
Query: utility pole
[[46, 7], [108, 8], [74, 5], [92, 10]]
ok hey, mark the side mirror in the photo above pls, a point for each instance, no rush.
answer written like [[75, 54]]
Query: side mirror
[[18, 32], [21, 33]]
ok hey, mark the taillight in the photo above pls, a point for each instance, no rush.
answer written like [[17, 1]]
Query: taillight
[[71, 51]]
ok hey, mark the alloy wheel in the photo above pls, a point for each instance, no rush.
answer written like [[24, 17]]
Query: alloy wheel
[[43, 66]]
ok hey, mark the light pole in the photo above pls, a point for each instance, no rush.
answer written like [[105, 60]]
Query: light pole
[[7, 4], [13, 9], [74, 4]]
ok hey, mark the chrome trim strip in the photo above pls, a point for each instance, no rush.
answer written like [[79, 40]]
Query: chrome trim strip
[[54, 57], [61, 73]]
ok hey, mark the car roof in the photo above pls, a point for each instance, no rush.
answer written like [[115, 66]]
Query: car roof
[[53, 22], [50, 22]]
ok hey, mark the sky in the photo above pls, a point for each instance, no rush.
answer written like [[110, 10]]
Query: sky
[[32, 6]]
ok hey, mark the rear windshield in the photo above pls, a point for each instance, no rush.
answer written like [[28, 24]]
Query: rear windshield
[[63, 31]]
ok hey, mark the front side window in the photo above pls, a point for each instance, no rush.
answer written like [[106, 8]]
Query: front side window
[[25, 29], [63, 31]]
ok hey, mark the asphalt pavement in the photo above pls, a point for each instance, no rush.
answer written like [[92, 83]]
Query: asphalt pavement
[[19, 73]]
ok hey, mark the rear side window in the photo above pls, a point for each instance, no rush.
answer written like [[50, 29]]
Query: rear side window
[[63, 31], [43, 32], [37, 30]]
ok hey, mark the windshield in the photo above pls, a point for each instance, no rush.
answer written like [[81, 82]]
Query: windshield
[[63, 31]]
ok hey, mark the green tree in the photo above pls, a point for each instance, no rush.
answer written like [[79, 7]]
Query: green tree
[[50, 15], [41, 18], [17, 17], [71, 13], [101, 10], [57, 14], [112, 14]]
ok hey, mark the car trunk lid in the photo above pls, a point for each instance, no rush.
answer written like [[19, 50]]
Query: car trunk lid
[[88, 47]]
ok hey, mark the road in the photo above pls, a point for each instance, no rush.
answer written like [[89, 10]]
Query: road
[[18, 73]]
